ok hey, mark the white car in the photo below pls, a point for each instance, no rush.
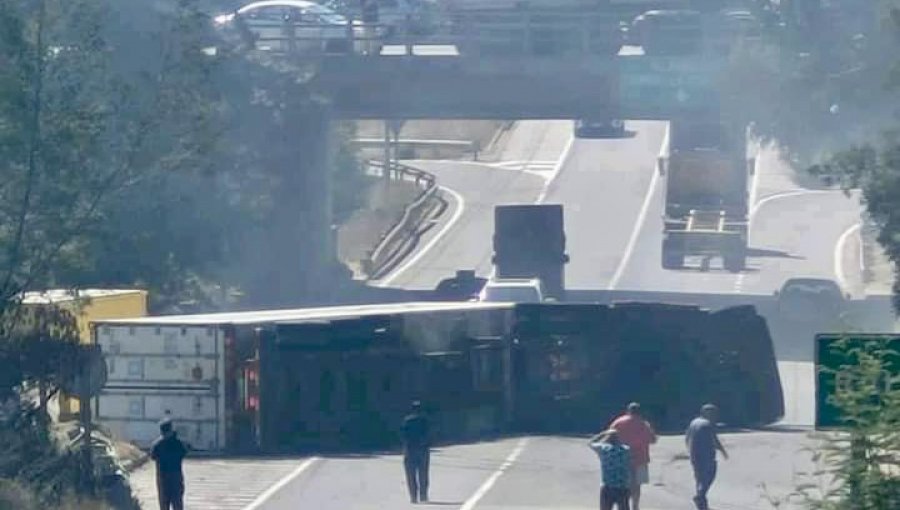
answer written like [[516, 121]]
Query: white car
[[299, 26], [512, 291]]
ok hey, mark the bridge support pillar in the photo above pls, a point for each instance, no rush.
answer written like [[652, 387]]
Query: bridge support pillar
[[297, 260]]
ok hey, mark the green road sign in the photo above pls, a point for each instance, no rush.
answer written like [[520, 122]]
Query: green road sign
[[671, 83], [835, 351]]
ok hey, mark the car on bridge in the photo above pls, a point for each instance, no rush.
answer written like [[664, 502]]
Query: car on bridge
[[667, 32], [293, 26], [513, 290], [395, 17], [599, 128]]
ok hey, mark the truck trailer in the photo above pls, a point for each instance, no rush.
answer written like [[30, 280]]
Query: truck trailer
[[342, 378], [707, 173], [530, 242]]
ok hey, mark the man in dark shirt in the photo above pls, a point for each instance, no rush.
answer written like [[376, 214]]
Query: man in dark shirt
[[702, 442], [416, 454], [168, 452]]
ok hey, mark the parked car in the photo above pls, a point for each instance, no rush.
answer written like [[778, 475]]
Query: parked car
[[392, 15], [667, 32], [292, 26], [599, 128], [529, 290]]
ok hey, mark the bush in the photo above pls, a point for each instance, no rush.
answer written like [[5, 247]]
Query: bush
[[860, 464]]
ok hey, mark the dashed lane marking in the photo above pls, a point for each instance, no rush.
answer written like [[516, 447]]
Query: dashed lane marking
[[220, 484]]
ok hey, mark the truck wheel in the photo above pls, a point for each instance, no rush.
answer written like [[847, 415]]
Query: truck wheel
[[735, 261], [672, 258]]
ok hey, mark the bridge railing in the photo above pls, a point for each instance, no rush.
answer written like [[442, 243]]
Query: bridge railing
[[529, 32], [396, 242], [472, 33]]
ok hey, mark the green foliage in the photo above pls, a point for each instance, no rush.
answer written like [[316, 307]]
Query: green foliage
[[820, 81], [30, 455], [89, 109], [860, 467], [38, 345]]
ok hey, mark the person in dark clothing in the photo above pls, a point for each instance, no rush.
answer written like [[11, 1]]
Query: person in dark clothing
[[702, 442], [168, 452], [416, 453]]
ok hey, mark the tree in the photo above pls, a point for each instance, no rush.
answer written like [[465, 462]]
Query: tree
[[824, 90], [818, 83], [89, 108]]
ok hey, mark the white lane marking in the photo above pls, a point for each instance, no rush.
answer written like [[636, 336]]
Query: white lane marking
[[839, 256], [567, 150], [457, 213], [787, 194], [754, 182], [460, 201], [642, 216], [280, 484], [486, 486], [862, 253]]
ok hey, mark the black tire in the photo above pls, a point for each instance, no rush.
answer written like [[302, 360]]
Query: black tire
[[735, 259], [337, 46], [672, 256], [735, 262]]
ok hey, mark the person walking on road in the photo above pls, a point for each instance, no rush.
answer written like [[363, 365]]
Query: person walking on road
[[416, 453], [615, 464], [702, 443], [638, 435], [168, 452]]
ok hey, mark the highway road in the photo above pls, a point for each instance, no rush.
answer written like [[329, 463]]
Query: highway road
[[613, 199]]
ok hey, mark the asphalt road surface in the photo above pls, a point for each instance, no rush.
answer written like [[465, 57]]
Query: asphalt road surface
[[613, 199]]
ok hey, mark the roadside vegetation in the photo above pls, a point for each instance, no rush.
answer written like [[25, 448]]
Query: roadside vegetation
[[824, 88], [857, 466], [132, 156]]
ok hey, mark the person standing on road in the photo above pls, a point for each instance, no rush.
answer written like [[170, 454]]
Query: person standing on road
[[416, 453], [168, 452], [702, 442], [638, 435], [615, 464]]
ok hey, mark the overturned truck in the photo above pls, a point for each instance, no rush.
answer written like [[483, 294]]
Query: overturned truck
[[342, 377]]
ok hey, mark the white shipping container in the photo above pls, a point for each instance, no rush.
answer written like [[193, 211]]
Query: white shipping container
[[199, 435], [155, 371]]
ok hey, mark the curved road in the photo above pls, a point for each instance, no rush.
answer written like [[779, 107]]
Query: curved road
[[613, 221]]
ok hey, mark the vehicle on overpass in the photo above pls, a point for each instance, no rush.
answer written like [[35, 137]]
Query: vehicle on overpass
[[530, 242], [707, 179], [513, 290], [293, 26], [806, 299], [599, 128], [418, 17], [667, 32]]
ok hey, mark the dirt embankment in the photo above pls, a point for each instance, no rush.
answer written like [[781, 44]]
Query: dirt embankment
[[384, 206]]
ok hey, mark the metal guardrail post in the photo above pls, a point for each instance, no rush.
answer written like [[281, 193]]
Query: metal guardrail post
[[407, 35], [527, 36], [351, 37], [585, 35]]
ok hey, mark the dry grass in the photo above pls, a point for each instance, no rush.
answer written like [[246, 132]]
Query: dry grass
[[362, 231], [14, 496]]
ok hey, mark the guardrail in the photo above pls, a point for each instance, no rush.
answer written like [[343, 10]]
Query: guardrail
[[400, 239]]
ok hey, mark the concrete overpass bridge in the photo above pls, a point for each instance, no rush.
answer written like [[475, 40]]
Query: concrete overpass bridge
[[522, 64]]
